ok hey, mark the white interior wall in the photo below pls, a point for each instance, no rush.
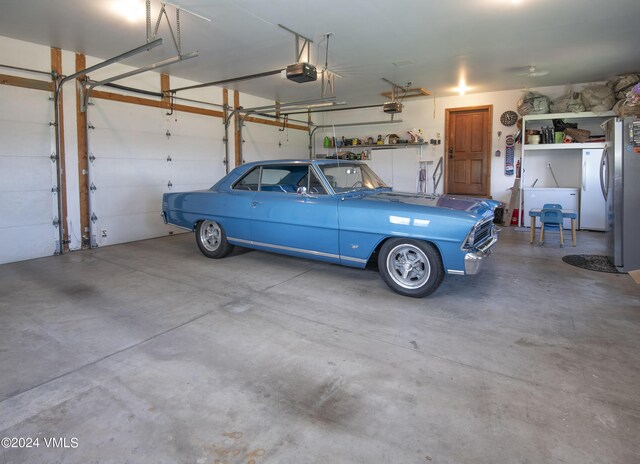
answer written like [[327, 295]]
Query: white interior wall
[[428, 114]]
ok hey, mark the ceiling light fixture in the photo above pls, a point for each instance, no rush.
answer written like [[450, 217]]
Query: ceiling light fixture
[[462, 87], [131, 10], [532, 71]]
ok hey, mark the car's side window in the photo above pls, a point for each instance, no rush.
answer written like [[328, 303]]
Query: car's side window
[[312, 183], [282, 178], [250, 181], [273, 179]]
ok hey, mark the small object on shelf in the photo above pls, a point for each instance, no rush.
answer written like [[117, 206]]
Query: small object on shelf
[[579, 135], [533, 139], [369, 140], [559, 137], [380, 141]]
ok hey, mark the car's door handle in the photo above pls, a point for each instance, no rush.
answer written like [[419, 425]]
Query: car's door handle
[[254, 204]]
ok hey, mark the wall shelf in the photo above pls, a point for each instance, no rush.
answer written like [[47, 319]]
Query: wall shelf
[[581, 115], [374, 146], [563, 146]]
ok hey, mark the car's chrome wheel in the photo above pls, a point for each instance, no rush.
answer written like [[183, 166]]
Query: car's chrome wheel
[[410, 267], [210, 235], [212, 240]]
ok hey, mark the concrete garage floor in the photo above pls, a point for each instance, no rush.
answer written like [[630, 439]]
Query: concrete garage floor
[[150, 353]]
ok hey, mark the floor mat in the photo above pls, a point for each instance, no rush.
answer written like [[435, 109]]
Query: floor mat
[[591, 262]]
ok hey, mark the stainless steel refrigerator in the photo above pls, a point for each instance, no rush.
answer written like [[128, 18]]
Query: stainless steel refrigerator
[[620, 183]]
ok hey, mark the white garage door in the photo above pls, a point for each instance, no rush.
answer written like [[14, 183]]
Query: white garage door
[[27, 175], [137, 154]]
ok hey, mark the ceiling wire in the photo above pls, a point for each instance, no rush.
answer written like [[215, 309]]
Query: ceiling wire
[[249, 12]]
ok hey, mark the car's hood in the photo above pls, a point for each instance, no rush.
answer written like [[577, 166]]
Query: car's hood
[[457, 203]]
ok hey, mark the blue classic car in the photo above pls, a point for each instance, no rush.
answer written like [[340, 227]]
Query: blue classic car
[[340, 212]]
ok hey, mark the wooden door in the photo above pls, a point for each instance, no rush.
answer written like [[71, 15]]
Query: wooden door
[[468, 150]]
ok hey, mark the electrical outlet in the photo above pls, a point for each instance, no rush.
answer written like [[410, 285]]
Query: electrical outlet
[[104, 233]]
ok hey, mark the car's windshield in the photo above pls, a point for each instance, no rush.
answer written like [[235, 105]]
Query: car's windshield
[[346, 177]]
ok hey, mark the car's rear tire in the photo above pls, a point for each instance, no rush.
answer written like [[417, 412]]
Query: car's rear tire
[[410, 267], [212, 240]]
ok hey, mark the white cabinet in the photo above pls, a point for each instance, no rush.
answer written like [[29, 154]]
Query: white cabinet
[[556, 166], [537, 197]]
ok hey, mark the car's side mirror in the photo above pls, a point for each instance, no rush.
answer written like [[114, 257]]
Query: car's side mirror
[[302, 191]]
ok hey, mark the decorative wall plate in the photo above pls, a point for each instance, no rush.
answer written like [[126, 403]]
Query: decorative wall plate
[[508, 118]]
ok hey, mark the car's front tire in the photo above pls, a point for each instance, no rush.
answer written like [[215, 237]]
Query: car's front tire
[[212, 240], [410, 267]]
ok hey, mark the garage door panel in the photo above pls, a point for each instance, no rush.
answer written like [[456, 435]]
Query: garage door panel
[[37, 143], [196, 172], [130, 227], [30, 105], [195, 125], [131, 171], [128, 144], [118, 117], [25, 173], [26, 207], [266, 142], [196, 148], [26, 242], [107, 173], [129, 200]]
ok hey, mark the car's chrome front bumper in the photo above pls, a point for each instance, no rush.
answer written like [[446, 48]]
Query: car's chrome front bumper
[[473, 260]]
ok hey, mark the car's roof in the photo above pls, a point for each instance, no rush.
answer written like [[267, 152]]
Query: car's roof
[[297, 161]]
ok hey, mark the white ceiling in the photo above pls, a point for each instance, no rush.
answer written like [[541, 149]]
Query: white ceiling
[[490, 41]]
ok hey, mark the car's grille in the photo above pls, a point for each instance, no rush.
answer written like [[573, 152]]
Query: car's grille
[[483, 231]]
